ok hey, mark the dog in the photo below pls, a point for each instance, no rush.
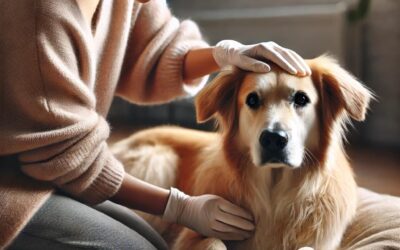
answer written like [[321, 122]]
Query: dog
[[278, 153]]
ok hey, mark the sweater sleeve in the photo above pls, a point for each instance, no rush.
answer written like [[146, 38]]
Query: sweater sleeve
[[52, 118], [153, 66]]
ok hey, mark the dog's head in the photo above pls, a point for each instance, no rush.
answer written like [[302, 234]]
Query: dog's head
[[277, 118]]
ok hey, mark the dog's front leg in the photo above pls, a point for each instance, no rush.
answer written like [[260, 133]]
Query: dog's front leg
[[189, 239]]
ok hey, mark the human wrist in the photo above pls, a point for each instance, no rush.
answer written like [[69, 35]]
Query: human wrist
[[175, 206], [148, 198], [223, 52], [198, 63]]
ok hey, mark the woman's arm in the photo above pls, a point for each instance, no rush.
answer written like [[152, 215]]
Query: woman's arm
[[137, 194], [198, 63], [155, 56]]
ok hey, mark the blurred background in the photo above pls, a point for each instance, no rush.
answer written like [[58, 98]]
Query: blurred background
[[363, 34]]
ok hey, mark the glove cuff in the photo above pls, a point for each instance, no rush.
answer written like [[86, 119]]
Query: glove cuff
[[223, 52], [175, 205]]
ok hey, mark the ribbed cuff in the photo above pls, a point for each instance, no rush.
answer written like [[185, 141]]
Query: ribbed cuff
[[194, 87], [175, 205], [172, 68], [106, 184]]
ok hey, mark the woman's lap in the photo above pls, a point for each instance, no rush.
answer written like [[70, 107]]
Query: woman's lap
[[63, 223]]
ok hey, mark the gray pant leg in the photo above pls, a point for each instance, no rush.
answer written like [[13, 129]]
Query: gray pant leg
[[133, 221], [63, 223]]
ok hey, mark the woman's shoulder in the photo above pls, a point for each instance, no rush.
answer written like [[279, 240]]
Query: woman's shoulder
[[31, 15], [46, 8]]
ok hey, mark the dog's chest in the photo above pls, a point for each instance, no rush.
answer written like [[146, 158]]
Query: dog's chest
[[260, 205], [264, 238], [275, 222]]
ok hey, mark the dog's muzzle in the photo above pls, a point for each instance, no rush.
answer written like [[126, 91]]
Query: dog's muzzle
[[273, 144]]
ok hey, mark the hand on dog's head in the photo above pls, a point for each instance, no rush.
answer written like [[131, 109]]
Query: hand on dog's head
[[333, 95]]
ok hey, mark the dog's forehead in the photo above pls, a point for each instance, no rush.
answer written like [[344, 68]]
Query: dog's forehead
[[261, 81], [278, 80], [295, 82]]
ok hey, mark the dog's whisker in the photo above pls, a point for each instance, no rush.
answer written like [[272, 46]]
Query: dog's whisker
[[309, 158]]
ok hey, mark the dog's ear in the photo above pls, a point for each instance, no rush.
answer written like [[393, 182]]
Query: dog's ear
[[219, 97], [339, 90]]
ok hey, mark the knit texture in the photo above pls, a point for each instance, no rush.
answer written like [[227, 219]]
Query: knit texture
[[58, 76]]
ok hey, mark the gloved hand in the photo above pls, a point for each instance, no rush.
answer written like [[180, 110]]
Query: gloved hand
[[209, 215], [253, 57]]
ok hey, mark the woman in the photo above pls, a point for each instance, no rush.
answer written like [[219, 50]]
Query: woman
[[61, 64]]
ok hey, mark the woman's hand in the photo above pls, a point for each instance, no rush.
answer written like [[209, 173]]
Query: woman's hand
[[253, 57], [209, 215]]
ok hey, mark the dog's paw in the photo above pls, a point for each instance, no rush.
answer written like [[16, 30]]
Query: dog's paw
[[306, 248]]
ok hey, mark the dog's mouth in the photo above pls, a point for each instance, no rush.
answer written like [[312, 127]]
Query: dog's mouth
[[274, 159]]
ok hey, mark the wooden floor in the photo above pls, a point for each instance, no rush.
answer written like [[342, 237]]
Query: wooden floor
[[376, 169]]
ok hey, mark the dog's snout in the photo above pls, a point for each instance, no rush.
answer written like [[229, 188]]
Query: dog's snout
[[273, 140]]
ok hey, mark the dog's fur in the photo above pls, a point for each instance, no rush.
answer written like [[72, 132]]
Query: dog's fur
[[307, 200]]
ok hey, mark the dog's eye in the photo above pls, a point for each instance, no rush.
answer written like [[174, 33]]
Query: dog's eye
[[253, 101], [300, 99]]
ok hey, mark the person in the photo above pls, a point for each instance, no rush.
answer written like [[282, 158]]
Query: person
[[61, 64]]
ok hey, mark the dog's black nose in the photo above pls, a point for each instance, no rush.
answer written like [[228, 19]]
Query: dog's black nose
[[273, 140]]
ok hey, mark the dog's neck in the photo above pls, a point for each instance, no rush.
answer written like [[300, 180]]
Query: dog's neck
[[282, 197], [278, 181]]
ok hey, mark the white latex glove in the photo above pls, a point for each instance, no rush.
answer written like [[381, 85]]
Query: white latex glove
[[253, 57], [209, 215]]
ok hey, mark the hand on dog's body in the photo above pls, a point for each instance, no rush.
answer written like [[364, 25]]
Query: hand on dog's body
[[252, 57], [210, 215]]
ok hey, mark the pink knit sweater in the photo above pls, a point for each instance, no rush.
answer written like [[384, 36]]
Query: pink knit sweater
[[57, 80]]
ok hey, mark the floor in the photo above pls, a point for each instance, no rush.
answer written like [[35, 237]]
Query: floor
[[375, 168]]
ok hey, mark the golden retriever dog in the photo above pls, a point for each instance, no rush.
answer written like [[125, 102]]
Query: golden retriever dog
[[278, 153]]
